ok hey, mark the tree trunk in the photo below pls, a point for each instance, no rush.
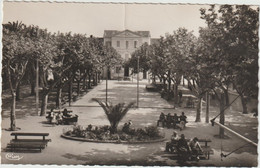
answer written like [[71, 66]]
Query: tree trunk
[[89, 81], [222, 115], [78, 87], [198, 109], [70, 91], [144, 74], [12, 115], [226, 97], [32, 88], [44, 102], [58, 96], [244, 104], [18, 95], [154, 78], [169, 85], [176, 98], [164, 84], [84, 84], [98, 77], [193, 83], [207, 107], [113, 129], [183, 82], [94, 79], [169, 81]]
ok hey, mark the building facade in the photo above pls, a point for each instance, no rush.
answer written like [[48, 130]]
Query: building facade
[[125, 42]]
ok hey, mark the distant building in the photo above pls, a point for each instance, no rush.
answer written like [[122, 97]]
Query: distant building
[[125, 42]]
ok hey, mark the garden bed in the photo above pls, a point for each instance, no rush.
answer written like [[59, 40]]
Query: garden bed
[[102, 135]]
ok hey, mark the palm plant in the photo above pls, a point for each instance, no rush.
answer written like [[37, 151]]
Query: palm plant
[[114, 113]]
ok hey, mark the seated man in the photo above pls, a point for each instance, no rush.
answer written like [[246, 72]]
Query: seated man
[[161, 119], [183, 147], [171, 146], [183, 121], [195, 147], [50, 116], [66, 113], [175, 120]]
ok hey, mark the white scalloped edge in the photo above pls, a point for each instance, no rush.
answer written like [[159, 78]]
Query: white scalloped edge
[[155, 2]]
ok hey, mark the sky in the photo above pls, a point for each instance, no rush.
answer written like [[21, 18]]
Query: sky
[[94, 18]]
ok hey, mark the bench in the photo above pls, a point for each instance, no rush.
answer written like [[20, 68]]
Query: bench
[[29, 144], [207, 151], [171, 123], [59, 110], [56, 112]]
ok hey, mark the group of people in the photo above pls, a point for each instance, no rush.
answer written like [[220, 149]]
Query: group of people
[[57, 117], [173, 121], [186, 149]]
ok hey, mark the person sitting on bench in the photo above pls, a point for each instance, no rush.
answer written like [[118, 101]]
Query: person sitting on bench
[[183, 121], [161, 119], [183, 147], [175, 120], [50, 115], [59, 118], [66, 113], [168, 120], [195, 147], [171, 146]]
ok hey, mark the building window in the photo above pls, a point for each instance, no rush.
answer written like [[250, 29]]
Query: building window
[[126, 44], [108, 43], [135, 44], [126, 56], [118, 43]]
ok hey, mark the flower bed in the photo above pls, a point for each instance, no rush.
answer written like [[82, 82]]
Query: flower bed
[[102, 134]]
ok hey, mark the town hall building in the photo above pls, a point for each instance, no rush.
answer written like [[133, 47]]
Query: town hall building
[[125, 42]]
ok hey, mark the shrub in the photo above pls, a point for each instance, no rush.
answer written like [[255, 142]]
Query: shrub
[[124, 137], [79, 131], [68, 133], [152, 131]]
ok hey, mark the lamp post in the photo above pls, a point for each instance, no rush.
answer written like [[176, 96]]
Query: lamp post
[[137, 81], [106, 84], [37, 86]]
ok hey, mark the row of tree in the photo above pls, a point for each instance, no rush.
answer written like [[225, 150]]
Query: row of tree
[[60, 58], [224, 54]]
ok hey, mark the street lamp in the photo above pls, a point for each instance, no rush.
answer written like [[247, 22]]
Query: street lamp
[[137, 81], [106, 83], [37, 86]]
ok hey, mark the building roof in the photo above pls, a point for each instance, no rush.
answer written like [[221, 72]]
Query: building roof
[[111, 33]]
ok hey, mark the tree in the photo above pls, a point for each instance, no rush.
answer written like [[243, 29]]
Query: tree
[[143, 53], [225, 48], [114, 113], [180, 46], [16, 51], [60, 58]]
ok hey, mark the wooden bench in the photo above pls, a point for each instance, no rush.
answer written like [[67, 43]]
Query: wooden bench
[[59, 111], [29, 144], [207, 151]]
